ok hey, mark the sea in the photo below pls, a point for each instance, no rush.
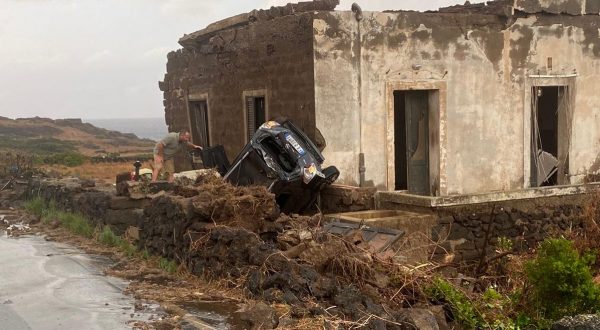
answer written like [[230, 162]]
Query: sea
[[149, 128]]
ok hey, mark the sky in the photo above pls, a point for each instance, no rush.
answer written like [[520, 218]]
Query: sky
[[103, 58]]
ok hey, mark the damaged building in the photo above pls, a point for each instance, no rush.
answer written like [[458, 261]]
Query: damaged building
[[470, 99]]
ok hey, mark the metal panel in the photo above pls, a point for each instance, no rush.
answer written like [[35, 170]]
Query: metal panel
[[380, 239]]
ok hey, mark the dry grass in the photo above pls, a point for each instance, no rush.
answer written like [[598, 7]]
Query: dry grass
[[89, 170]]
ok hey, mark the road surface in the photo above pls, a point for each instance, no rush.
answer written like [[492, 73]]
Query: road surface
[[48, 285]]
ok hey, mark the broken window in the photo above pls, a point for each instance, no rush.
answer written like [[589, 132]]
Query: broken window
[[255, 113], [551, 132], [199, 122]]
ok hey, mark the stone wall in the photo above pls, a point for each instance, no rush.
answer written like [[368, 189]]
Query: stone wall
[[338, 199], [483, 62], [468, 232], [467, 227], [463, 232], [100, 205]]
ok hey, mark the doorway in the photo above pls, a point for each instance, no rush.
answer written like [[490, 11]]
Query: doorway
[[412, 141], [550, 138]]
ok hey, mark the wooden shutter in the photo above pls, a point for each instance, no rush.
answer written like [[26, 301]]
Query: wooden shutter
[[250, 116]]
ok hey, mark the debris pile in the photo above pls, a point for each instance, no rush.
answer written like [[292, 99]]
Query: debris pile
[[218, 230]]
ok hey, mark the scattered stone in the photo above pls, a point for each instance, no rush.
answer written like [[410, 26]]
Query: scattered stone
[[259, 316], [579, 322], [418, 318]]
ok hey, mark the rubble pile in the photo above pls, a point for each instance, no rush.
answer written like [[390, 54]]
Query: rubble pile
[[218, 230], [176, 220], [221, 231]]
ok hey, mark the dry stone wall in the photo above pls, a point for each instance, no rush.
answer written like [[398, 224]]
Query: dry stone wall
[[100, 205], [468, 232]]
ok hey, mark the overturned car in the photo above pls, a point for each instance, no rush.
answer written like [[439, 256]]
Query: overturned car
[[281, 157]]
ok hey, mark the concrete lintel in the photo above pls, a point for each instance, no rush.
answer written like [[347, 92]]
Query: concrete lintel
[[533, 193]]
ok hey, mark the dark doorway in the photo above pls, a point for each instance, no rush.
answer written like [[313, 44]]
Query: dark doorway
[[545, 154], [256, 113], [411, 141], [199, 122]]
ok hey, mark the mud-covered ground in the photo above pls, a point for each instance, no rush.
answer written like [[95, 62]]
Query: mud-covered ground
[[187, 301]]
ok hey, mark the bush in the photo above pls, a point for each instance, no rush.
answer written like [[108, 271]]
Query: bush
[[462, 308], [167, 265], [109, 238], [76, 224], [70, 159], [36, 206], [128, 248], [561, 281]]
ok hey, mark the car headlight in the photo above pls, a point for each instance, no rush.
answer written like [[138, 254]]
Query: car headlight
[[310, 172]]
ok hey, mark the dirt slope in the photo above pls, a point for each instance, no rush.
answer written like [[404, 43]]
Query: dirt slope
[[31, 134]]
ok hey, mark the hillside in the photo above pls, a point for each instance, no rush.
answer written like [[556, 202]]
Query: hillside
[[44, 136]]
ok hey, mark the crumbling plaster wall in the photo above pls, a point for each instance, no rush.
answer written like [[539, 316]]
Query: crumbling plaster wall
[[268, 54], [484, 60]]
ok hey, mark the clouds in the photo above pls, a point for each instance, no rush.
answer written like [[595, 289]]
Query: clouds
[[99, 57], [103, 58], [187, 7]]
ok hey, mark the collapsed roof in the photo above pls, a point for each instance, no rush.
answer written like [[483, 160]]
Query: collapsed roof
[[504, 8]]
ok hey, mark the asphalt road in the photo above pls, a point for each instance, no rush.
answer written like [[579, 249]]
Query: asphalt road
[[47, 285]]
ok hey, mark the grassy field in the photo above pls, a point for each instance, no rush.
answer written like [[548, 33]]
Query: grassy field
[[68, 146], [99, 171]]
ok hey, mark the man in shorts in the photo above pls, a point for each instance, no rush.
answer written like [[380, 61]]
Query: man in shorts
[[166, 149]]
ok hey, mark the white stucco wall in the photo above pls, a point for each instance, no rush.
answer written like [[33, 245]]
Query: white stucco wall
[[485, 67]]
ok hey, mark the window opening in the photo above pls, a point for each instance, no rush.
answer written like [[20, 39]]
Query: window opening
[[551, 131], [255, 113], [199, 122]]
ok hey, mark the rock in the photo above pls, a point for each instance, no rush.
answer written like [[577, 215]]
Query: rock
[[440, 315], [259, 316], [418, 318], [87, 183], [122, 203], [579, 322]]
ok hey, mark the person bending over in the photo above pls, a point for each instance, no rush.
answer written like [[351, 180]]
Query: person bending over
[[166, 149]]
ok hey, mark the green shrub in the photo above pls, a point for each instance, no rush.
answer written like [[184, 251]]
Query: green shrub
[[145, 254], [36, 206], [128, 248], [70, 159], [561, 281], [76, 224], [167, 265], [109, 238], [462, 308]]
